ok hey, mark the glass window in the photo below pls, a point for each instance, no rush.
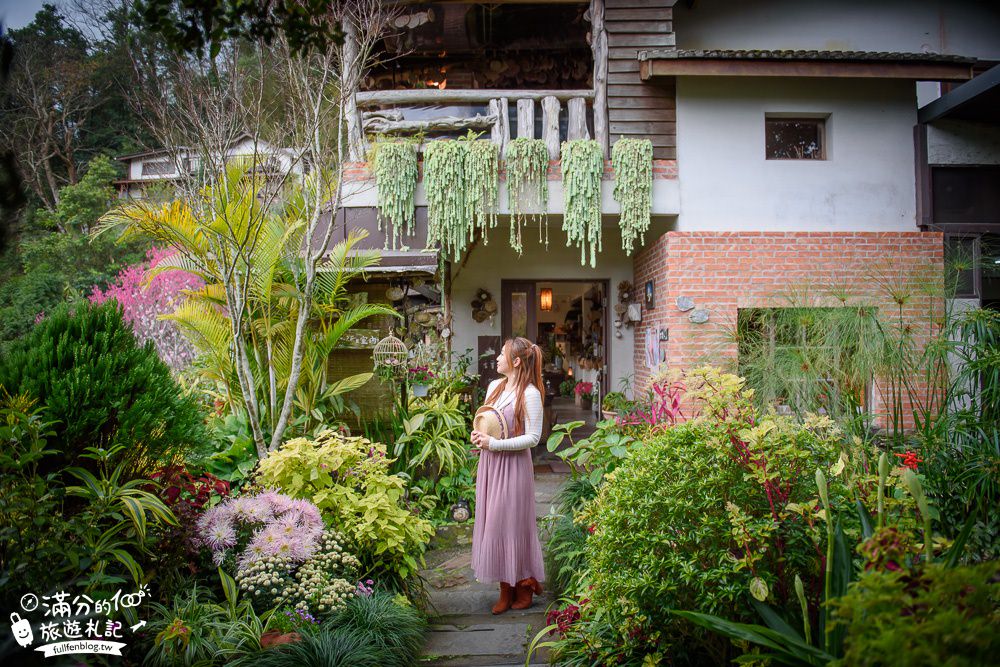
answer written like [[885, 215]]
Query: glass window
[[795, 138]]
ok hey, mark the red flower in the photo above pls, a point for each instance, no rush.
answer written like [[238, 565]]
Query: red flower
[[910, 460], [591, 528]]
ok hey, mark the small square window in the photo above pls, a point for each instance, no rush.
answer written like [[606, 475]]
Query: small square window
[[795, 138]]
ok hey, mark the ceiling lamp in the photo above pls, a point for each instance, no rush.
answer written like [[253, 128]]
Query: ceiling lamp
[[546, 298]]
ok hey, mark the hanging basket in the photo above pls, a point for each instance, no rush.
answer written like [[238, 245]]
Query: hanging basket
[[390, 352]]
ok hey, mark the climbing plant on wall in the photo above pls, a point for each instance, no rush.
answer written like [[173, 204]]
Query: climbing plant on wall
[[582, 168], [632, 160], [527, 187], [460, 176], [395, 166], [482, 168]]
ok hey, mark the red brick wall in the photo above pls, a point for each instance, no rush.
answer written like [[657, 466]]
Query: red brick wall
[[725, 271]]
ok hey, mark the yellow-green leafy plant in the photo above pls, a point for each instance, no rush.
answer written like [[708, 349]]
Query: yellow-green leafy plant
[[527, 167], [582, 168], [348, 479], [632, 160], [395, 167]]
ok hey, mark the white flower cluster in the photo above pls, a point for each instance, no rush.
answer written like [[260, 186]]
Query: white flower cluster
[[322, 584]]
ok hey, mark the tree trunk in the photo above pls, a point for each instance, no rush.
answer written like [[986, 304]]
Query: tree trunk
[[599, 45]]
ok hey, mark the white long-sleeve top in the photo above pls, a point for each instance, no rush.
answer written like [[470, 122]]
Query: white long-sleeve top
[[532, 418]]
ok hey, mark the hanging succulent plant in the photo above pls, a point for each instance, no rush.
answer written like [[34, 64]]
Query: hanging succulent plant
[[582, 168], [527, 166], [448, 222], [482, 168], [395, 166], [632, 160], [461, 180]]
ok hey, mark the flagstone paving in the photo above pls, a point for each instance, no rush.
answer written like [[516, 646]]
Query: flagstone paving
[[463, 631]]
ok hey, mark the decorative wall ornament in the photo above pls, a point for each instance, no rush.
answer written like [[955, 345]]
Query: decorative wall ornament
[[483, 306], [649, 294], [699, 316], [685, 303]]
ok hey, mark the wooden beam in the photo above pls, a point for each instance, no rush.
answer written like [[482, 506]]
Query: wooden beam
[[550, 126], [500, 134], [458, 96], [378, 125], [917, 71], [525, 119], [599, 46], [577, 120]]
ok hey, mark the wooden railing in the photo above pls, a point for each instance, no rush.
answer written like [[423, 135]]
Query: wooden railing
[[382, 120]]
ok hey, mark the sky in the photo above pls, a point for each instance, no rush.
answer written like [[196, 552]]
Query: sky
[[19, 13]]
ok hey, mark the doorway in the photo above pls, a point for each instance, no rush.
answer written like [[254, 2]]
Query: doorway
[[569, 320]]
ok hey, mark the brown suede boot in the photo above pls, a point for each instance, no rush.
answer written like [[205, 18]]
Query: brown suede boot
[[525, 588], [506, 597]]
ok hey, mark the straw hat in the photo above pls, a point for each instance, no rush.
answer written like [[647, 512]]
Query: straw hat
[[488, 420]]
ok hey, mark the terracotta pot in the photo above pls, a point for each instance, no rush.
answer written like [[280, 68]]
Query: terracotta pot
[[587, 403], [277, 638]]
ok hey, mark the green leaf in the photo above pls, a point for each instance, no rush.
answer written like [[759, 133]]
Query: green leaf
[[126, 559], [554, 440], [866, 519], [230, 589], [135, 511]]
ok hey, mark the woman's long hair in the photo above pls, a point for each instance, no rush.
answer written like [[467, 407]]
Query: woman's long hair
[[528, 373]]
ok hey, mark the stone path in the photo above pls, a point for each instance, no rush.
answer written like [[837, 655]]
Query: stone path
[[463, 631]]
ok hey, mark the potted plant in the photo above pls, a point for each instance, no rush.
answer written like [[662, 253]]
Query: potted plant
[[285, 627], [584, 395], [566, 388], [613, 402], [419, 379]]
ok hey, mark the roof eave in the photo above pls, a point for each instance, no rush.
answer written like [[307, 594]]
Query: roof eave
[[652, 68]]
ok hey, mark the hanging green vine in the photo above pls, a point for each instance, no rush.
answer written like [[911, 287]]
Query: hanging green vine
[[527, 187], [461, 179], [395, 166], [632, 160], [482, 169], [444, 179], [582, 168]]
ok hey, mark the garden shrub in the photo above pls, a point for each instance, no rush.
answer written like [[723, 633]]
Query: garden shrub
[[348, 479], [394, 628], [704, 507], [102, 389], [937, 616], [328, 647]]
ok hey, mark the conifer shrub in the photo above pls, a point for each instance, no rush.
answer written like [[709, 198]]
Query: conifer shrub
[[101, 388]]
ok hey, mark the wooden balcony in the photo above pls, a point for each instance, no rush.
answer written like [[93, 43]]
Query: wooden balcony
[[380, 114]]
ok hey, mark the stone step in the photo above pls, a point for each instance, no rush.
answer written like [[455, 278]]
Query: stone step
[[481, 640], [473, 599]]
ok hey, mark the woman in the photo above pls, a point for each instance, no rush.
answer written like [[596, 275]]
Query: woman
[[505, 544]]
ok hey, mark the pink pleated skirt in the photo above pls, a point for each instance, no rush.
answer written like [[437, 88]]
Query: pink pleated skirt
[[505, 543]]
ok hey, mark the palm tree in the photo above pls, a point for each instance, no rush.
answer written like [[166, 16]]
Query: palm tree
[[246, 321]]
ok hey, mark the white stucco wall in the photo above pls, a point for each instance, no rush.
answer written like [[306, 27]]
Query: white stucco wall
[[865, 184], [488, 265], [963, 142], [960, 27]]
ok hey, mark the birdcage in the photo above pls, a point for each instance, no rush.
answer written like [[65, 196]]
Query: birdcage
[[389, 353]]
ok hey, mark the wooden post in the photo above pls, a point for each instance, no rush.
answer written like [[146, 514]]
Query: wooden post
[[500, 134], [577, 108], [526, 119], [550, 126], [599, 45], [355, 137]]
